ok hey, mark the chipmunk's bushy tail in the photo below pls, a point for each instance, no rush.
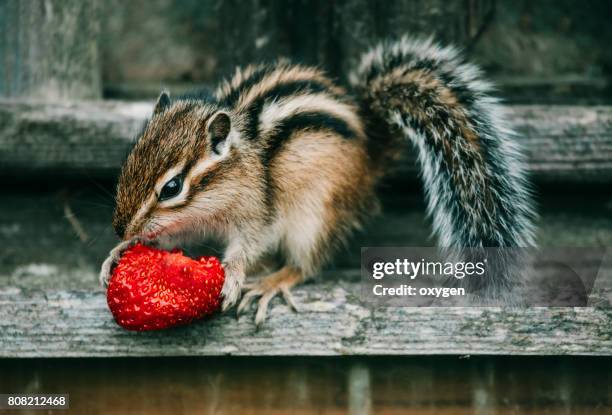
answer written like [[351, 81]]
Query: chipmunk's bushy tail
[[472, 168]]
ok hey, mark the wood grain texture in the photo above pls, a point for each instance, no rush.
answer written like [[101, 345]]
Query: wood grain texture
[[435, 385], [49, 49], [564, 144], [332, 321]]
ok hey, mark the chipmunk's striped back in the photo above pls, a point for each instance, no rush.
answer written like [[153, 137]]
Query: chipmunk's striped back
[[274, 101], [301, 123]]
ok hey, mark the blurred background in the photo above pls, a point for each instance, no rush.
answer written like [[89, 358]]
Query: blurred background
[[77, 79], [536, 51]]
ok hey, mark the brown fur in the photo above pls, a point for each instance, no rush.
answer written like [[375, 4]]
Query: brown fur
[[321, 166]]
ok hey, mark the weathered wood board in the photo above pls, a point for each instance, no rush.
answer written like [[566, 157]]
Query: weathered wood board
[[393, 385], [332, 321], [49, 49], [564, 144]]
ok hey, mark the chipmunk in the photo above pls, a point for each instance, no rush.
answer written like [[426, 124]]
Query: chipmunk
[[280, 158]]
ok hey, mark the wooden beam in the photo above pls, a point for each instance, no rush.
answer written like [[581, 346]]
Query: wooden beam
[[564, 144], [332, 321], [436, 385], [49, 49]]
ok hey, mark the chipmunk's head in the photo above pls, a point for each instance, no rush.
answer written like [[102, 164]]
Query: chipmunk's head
[[182, 154]]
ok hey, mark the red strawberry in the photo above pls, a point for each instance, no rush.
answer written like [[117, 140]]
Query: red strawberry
[[152, 289]]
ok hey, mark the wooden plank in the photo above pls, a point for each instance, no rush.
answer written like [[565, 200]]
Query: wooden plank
[[564, 144], [49, 49], [264, 386], [67, 137], [332, 322]]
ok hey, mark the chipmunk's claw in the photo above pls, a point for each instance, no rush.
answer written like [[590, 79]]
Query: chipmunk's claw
[[231, 292]]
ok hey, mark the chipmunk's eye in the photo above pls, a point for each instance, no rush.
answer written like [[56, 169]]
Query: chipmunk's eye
[[172, 188]]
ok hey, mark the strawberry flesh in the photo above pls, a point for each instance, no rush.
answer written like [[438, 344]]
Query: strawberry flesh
[[151, 289]]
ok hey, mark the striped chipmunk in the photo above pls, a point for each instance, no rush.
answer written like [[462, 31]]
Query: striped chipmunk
[[281, 159]]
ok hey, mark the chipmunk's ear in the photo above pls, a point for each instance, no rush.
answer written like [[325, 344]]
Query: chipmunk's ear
[[218, 128], [163, 102]]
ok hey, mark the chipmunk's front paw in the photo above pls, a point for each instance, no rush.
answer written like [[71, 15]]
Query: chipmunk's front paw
[[112, 260], [107, 266], [105, 270]]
